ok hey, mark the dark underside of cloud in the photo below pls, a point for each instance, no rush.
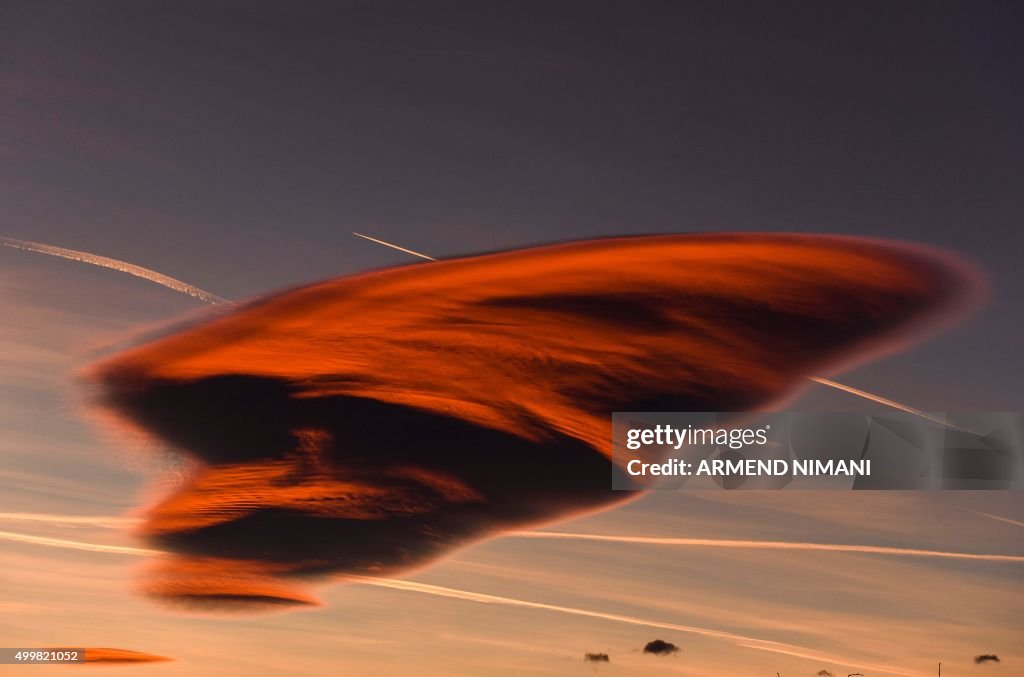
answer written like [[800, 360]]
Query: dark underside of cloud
[[659, 647], [370, 424], [986, 658], [596, 658]]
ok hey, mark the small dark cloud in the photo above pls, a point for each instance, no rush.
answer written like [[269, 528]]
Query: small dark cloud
[[660, 648], [108, 655], [596, 658], [986, 658], [824, 673]]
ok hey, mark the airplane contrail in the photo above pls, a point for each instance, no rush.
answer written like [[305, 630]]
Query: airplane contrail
[[115, 264], [741, 640], [394, 246], [466, 595], [76, 545], [770, 545], [894, 404], [998, 518], [482, 598], [105, 521], [114, 521], [875, 398]]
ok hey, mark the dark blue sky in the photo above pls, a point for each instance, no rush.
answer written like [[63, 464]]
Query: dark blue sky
[[236, 144]]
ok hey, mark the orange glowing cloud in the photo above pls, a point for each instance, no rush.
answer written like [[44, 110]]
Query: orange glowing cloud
[[202, 583], [106, 655], [368, 424]]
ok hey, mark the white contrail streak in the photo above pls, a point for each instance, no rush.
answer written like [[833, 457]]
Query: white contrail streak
[[482, 598], [998, 518], [875, 398], [769, 545], [104, 521], [75, 545], [114, 522], [395, 246], [741, 640], [892, 403], [115, 264]]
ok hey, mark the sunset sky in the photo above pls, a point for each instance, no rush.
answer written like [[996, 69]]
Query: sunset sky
[[237, 145]]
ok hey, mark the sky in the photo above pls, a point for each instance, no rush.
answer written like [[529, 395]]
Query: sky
[[236, 146]]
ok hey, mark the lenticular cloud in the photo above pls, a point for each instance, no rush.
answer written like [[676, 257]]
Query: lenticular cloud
[[369, 424]]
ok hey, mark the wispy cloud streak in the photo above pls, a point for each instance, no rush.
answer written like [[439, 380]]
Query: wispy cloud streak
[[483, 598], [29, 539], [395, 246], [892, 403], [736, 544], [741, 640], [1007, 520], [115, 264], [767, 545], [102, 521]]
